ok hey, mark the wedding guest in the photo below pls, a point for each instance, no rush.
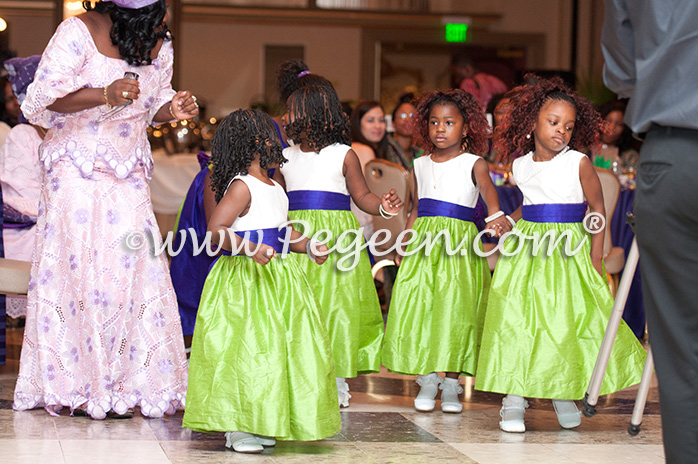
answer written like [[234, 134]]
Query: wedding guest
[[20, 178], [645, 51], [401, 147], [102, 331]]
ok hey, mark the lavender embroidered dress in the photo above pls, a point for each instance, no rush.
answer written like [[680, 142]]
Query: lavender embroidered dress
[[102, 322]]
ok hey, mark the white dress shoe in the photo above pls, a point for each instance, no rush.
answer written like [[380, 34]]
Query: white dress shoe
[[512, 414], [429, 387], [243, 442]]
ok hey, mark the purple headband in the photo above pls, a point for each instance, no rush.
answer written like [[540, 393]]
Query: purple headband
[[131, 4], [303, 73], [21, 73]]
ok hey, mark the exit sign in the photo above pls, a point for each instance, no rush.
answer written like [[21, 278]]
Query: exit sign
[[456, 32]]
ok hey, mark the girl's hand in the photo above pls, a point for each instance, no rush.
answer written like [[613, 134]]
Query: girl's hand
[[184, 105], [391, 202], [122, 90], [322, 252], [499, 226], [264, 254], [597, 262], [398, 258]]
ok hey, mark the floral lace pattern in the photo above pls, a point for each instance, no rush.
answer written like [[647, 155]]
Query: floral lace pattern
[[71, 62], [102, 328], [102, 321]]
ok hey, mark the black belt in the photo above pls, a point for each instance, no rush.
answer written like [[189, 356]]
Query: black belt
[[669, 130]]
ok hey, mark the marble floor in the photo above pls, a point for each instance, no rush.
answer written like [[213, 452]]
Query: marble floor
[[380, 426]]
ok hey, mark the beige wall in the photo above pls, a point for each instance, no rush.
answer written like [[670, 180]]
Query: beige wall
[[222, 59], [224, 62], [549, 17], [28, 33]]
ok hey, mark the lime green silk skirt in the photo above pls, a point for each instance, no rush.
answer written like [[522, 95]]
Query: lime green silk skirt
[[546, 318], [438, 303], [261, 359], [348, 298]]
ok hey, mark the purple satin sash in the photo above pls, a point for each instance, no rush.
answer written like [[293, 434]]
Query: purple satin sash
[[429, 207], [272, 237], [554, 212], [318, 199]]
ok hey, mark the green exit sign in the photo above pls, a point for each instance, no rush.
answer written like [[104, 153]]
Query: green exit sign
[[456, 32]]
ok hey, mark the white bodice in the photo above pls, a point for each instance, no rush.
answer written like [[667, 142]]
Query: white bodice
[[449, 181], [316, 170], [268, 207], [554, 181]]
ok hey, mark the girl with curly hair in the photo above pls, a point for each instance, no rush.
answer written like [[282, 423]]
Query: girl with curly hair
[[261, 364], [92, 296], [322, 175], [549, 301], [438, 298]]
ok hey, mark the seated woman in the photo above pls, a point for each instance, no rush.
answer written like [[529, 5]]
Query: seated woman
[[369, 141], [617, 144], [20, 177], [401, 148]]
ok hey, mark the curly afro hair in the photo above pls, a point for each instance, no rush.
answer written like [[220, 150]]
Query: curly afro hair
[[135, 31], [317, 112], [526, 103], [476, 126], [292, 75], [241, 137]]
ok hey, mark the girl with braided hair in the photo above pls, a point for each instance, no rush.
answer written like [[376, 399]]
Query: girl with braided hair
[[261, 366], [549, 302], [322, 174]]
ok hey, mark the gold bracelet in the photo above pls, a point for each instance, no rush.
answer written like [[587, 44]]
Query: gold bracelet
[[172, 113], [106, 97]]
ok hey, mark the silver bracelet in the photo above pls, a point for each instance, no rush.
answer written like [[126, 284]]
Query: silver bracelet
[[385, 214], [494, 216]]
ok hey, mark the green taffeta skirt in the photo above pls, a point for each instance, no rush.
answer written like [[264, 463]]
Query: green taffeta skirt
[[438, 303], [348, 298], [261, 360], [546, 318]]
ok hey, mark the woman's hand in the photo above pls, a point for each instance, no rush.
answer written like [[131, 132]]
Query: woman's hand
[[391, 202], [122, 90], [264, 254], [184, 105]]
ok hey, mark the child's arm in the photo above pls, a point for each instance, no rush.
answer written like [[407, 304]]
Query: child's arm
[[594, 195], [235, 203], [481, 171], [362, 196], [301, 244], [410, 220]]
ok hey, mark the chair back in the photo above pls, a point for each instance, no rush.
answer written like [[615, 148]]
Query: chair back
[[611, 191], [381, 176]]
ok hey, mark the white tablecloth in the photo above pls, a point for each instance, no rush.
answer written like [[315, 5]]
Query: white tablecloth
[[172, 176]]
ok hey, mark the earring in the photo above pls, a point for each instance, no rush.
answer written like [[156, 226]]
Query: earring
[[528, 136]]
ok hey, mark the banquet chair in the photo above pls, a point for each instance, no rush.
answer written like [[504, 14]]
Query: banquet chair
[[613, 257], [381, 176]]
